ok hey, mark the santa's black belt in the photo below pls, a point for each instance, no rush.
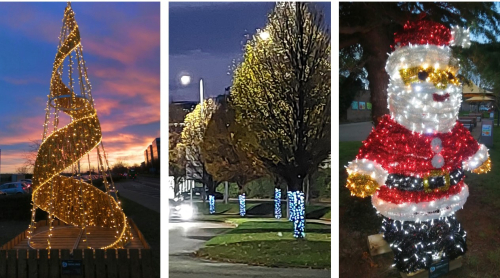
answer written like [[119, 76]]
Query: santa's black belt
[[437, 179]]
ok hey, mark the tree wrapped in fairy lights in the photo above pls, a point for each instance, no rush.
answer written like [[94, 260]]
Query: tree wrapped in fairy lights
[[281, 93], [413, 162], [69, 148]]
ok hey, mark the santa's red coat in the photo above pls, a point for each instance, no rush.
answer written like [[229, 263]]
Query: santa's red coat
[[401, 151]]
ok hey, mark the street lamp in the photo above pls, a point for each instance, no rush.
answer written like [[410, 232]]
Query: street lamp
[[264, 35]]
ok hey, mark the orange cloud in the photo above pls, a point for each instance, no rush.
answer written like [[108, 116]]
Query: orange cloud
[[136, 43]]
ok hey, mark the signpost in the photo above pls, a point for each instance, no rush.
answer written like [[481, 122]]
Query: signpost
[[71, 267], [487, 132], [439, 269]]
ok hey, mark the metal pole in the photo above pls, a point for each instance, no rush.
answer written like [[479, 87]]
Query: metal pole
[[201, 94], [226, 192], [191, 192]]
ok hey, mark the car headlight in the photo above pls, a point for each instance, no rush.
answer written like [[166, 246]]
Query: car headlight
[[186, 212]]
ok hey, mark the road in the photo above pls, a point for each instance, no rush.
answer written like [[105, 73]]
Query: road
[[355, 131], [185, 238], [144, 191]]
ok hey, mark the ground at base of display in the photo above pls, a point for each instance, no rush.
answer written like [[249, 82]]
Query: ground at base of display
[[377, 246]]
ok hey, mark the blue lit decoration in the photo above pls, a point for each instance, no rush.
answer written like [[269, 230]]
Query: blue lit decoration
[[277, 203], [211, 202], [297, 209], [290, 198], [243, 210]]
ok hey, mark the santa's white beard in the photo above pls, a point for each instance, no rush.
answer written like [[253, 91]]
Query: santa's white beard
[[414, 107]]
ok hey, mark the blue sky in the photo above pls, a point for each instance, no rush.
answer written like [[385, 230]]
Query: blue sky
[[205, 38], [121, 44]]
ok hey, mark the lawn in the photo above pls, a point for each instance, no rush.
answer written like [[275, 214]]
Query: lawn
[[260, 209], [480, 217], [269, 242]]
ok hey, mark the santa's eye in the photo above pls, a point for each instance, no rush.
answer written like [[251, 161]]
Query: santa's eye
[[440, 78], [423, 75]]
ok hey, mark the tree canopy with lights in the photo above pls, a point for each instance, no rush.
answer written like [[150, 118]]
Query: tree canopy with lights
[[281, 92]]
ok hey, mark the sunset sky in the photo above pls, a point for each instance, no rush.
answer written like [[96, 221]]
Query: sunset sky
[[205, 38], [121, 46]]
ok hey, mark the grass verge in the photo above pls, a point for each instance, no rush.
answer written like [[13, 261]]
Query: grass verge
[[148, 222], [268, 242], [259, 209]]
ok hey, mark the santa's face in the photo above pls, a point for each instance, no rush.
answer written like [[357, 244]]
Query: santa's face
[[424, 102]]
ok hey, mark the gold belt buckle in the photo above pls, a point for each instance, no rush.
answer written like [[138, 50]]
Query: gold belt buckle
[[437, 173]]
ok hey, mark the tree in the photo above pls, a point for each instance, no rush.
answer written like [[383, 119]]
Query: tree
[[30, 156], [352, 76], [281, 92], [119, 167], [224, 157], [192, 136], [372, 26], [176, 158]]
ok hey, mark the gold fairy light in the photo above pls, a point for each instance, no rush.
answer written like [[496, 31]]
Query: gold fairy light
[[70, 199]]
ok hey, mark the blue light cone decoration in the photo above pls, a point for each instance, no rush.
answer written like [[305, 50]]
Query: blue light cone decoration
[[243, 210], [298, 212], [277, 203], [211, 202], [290, 206]]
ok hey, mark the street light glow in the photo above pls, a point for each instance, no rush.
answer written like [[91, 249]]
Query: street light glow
[[264, 35], [185, 79]]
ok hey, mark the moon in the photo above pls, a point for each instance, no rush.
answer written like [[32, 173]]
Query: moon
[[185, 80]]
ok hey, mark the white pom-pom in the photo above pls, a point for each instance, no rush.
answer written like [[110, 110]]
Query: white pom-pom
[[460, 36], [437, 161], [436, 145]]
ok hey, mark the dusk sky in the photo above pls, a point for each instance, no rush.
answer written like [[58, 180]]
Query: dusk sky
[[205, 38], [121, 47]]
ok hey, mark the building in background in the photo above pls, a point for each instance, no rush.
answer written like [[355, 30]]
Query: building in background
[[152, 157], [155, 152]]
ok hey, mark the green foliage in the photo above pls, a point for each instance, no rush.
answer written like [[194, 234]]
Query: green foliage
[[176, 158], [193, 135], [224, 158], [281, 92]]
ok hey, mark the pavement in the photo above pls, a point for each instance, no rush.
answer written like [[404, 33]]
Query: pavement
[[185, 238], [144, 191], [354, 131]]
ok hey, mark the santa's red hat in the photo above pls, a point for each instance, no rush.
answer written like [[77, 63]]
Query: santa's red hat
[[425, 43]]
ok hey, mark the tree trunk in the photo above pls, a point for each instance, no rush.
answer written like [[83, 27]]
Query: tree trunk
[[176, 186], [297, 206], [277, 202], [307, 181], [376, 43], [241, 200]]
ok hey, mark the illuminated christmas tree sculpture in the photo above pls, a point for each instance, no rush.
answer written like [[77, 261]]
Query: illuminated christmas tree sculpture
[[413, 162], [69, 148]]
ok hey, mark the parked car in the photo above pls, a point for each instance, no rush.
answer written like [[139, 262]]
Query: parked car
[[483, 108], [15, 188], [28, 182], [218, 196]]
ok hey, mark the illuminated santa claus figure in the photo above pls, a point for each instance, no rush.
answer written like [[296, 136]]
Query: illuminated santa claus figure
[[413, 162]]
